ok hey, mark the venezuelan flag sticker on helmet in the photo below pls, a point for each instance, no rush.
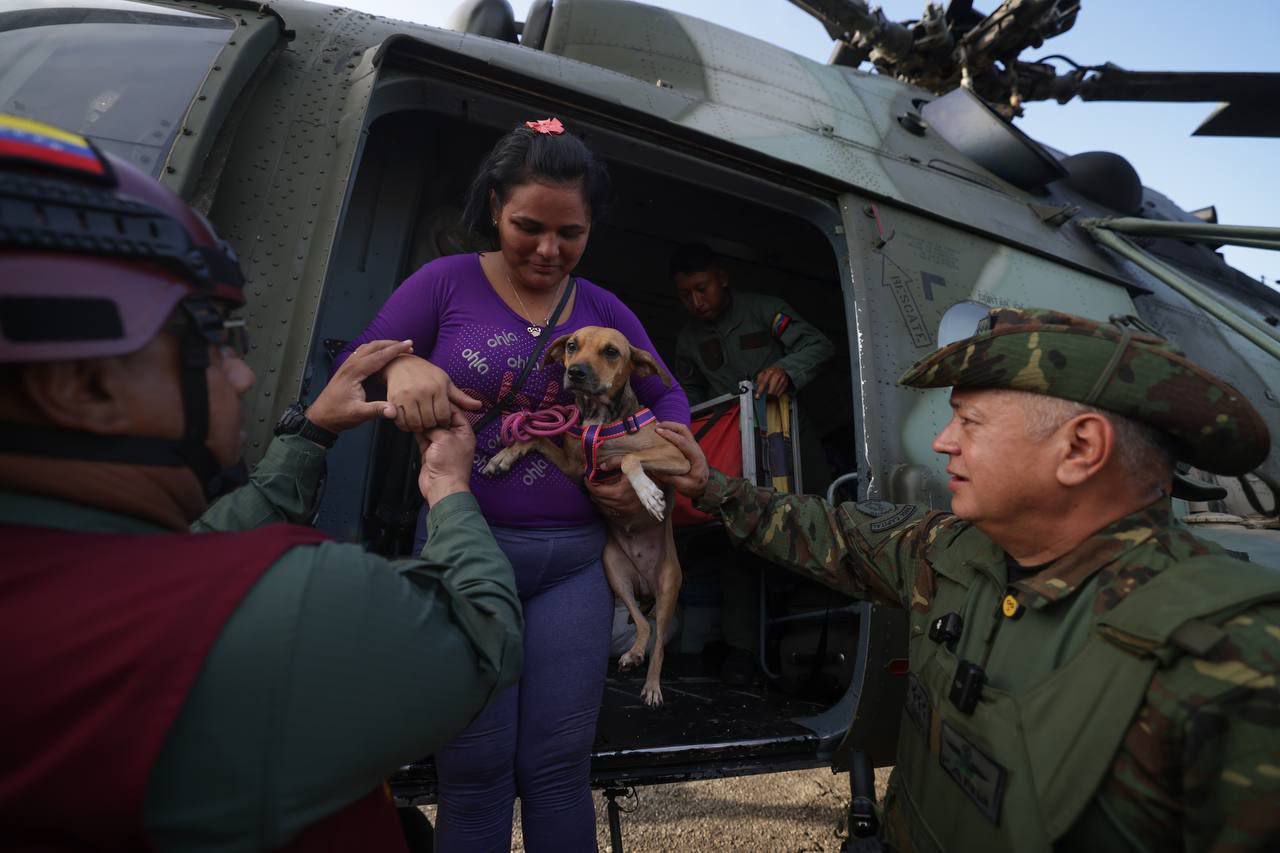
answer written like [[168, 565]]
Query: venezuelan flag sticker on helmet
[[37, 144]]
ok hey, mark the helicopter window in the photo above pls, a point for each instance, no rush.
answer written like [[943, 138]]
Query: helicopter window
[[121, 73], [960, 321]]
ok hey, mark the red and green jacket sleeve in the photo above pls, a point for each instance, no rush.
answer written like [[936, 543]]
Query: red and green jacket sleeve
[[336, 669]]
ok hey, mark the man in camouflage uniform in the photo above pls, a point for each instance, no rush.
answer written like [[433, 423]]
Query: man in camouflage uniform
[[1084, 673]]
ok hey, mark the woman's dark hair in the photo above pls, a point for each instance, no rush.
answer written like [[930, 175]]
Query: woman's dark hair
[[524, 155]]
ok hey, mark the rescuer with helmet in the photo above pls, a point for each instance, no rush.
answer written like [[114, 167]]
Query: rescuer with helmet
[[176, 672]]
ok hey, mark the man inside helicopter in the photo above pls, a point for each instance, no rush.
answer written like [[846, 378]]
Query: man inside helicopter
[[731, 336]]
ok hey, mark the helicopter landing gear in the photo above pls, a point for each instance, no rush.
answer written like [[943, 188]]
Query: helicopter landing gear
[[615, 814]]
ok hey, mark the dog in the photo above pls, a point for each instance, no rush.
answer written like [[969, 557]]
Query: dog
[[640, 554]]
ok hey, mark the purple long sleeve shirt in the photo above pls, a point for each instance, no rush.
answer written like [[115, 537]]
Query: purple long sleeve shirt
[[457, 322]]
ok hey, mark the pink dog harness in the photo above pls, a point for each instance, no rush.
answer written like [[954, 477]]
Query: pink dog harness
[[595, 435]]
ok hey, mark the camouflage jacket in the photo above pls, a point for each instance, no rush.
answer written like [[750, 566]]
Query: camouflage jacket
[[1198, 767]]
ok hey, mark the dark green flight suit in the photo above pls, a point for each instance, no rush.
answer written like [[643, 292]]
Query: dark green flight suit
[[754, 331], [1130, 698], [336, 663]]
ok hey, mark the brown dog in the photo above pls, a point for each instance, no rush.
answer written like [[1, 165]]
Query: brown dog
[[640, 555]]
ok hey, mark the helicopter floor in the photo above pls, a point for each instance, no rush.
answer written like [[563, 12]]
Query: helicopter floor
[[703, 729], [701, 723]]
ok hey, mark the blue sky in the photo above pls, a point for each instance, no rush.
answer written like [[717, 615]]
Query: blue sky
[[1240, 176]]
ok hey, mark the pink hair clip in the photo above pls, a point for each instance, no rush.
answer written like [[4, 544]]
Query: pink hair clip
[[547, 125]]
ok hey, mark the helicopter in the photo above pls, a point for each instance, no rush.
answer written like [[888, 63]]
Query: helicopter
[[331, 148]]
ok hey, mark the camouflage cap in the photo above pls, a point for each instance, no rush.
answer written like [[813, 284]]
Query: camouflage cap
[[1110, 366]]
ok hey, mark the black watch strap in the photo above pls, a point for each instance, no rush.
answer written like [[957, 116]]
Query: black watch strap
[[319, 435], [294, 422]]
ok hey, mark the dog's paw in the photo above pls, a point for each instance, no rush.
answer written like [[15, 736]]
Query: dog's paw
[[501, 462], [650, 495], [630, 659], [651, 694]]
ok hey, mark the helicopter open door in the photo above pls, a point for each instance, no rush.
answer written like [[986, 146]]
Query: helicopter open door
[[423, 131]]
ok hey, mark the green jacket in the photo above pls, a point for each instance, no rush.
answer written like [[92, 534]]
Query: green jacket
[[1193, 763], [337, 665], [753, 332]]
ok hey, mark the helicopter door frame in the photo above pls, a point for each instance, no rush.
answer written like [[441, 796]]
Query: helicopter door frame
[[212, 118], [405, 82]]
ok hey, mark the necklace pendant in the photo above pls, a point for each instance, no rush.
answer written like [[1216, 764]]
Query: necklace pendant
[[534, 330]]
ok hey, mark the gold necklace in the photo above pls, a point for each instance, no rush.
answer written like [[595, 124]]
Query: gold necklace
[[533, 330]]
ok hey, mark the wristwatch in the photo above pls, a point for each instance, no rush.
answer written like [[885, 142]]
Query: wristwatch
[[294, 422]]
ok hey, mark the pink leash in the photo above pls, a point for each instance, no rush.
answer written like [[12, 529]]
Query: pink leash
[[544, 423]]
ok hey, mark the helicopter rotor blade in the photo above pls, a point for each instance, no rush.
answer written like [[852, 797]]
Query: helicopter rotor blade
[[855, 23], [1110, 83], [830, 14], [1247, 98], [1252, 119]]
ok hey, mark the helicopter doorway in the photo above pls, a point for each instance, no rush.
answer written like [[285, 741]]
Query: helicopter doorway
[[403, 212]]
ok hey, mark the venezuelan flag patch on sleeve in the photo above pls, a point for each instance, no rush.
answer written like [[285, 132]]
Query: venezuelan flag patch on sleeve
[[39, 144], [780, 323]]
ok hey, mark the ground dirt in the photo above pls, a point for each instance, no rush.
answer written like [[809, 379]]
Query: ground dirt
[[800, 811]]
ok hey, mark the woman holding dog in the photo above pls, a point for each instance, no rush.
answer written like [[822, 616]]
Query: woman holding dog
[[480, 320]]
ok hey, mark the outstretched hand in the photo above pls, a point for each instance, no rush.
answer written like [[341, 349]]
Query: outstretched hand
[[691, 484], [694, 482], [617, 499], [447, 454], [342, 404]]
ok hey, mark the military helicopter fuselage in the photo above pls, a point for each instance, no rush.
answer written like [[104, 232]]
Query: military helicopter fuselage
[[331, 148]]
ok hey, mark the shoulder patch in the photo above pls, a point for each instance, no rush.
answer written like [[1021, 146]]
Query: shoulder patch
[[781, 321], [889, 522], [875, 509]]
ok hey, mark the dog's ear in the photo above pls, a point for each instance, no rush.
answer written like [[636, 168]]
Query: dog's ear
[[643, 364], [555, 351]]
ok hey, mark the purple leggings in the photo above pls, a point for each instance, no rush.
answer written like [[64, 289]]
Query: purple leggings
[[534, 740]]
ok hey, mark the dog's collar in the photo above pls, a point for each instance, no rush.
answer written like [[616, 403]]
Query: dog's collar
[[595, 435]]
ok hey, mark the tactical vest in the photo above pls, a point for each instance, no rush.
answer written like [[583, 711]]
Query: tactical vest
[[1020, 770]]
